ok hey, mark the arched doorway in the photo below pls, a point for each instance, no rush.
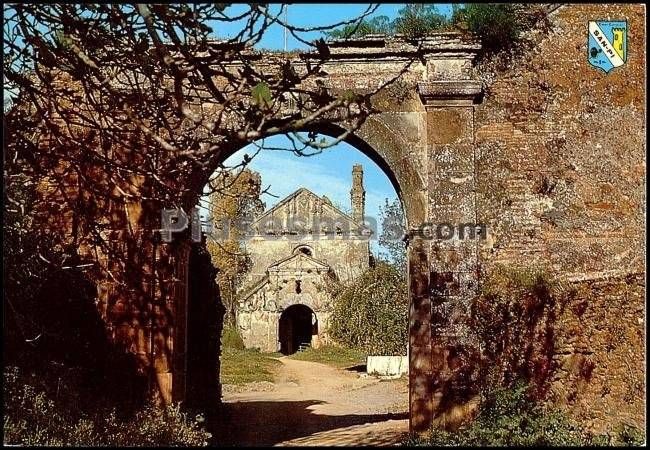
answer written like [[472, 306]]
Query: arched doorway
[[297, 325]]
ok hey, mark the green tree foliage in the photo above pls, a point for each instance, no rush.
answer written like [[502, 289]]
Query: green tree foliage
[[391, 237], [416, 20], [376, 25], [497, 25], [261, 95], [234, 203], [371, 312]]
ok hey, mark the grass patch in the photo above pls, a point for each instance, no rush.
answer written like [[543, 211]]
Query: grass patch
[[332, 355], [247, 366]]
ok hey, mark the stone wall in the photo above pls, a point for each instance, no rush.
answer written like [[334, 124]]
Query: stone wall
[[297, 248], [560, 160], [258, 314], [347, 256], [599, 354]]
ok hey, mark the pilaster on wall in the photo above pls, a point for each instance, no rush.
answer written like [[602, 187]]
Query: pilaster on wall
[[449, 95], [144, 305], [179, 304], [420, 392]]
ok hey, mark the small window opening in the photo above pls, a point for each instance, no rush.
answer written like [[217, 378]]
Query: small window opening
[[305, 251]]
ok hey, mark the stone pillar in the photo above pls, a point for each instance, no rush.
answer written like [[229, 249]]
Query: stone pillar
[[420, 392], [452, 207], [273, 342]]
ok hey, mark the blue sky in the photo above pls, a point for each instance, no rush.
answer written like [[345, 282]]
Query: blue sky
[[328, 173]]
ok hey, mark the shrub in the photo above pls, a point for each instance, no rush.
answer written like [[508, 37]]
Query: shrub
[[155, 426], [230, 338], [508, 417], [376, 25], [496, 25], [416, 20], [33, 418], [630, 435], [371, 313]]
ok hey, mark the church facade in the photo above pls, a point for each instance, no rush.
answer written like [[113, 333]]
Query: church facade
[[297, 248]]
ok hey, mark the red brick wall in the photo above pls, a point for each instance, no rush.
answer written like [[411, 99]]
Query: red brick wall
[[558, 187]]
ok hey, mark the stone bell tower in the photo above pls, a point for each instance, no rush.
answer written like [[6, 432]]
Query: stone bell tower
[[358, 194]]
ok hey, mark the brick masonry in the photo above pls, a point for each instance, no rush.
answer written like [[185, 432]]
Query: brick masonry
[[560, 161]]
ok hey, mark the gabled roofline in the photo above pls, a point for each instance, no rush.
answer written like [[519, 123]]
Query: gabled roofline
[[299, 255], [295, 194], [265, 280]]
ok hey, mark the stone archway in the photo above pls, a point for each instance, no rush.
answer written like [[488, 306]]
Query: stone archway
[[297, 324], [378, 140], [423, 134], [423, 139]]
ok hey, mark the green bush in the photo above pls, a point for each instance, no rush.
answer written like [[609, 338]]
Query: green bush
[[32, 418], [370, 314], [508, 417], [497, 25], [416, 20], [376, 25], [230, 338], [630, 435]]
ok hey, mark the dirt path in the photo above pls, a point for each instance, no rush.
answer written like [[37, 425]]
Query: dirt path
[[315, 404]]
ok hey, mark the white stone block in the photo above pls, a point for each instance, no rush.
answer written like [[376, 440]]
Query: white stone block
[[387, 365]]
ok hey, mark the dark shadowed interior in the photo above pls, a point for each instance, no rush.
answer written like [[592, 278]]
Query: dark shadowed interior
[[296, 328]]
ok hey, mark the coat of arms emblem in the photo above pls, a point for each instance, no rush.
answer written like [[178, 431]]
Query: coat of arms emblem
[[607, 44]]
